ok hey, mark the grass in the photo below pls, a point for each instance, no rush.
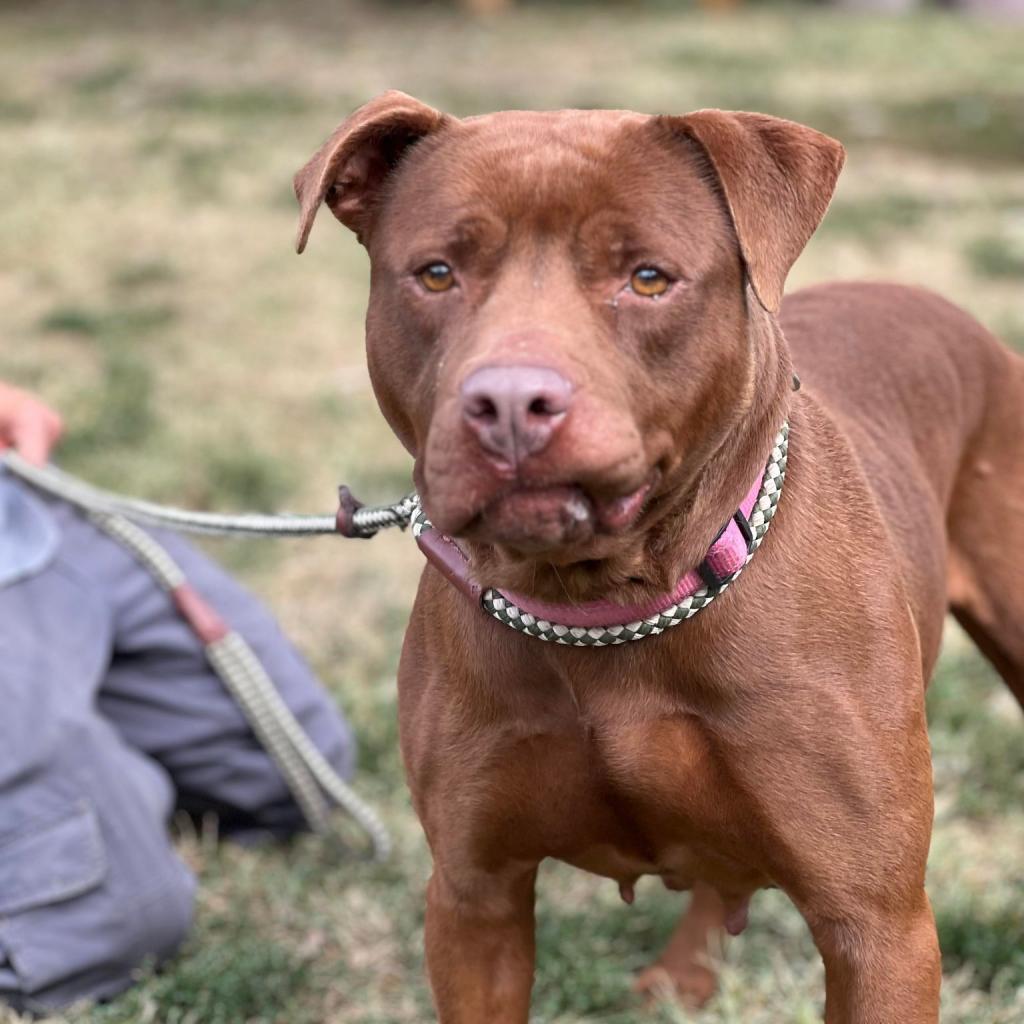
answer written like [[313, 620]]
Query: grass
[[1012, 332], [878, 220], [976, 734], [149, 290], [995, 256], [224, 978]]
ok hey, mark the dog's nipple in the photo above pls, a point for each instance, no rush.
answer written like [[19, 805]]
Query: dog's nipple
[[736, 916], [627, 892]]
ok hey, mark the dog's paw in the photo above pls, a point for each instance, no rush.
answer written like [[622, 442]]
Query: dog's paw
[[693, 985]]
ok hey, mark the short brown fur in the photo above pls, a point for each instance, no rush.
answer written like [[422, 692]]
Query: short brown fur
[[777, 738]]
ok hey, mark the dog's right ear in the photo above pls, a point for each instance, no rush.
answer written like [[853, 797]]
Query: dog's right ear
[[350, 167]]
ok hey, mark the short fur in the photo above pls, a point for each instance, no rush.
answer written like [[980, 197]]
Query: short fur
[[779, 737]]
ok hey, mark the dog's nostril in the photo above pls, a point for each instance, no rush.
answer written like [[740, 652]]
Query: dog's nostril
[[541, 407], [483, 408]]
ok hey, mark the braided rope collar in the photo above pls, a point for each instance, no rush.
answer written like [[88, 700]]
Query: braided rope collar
[[447, 557]]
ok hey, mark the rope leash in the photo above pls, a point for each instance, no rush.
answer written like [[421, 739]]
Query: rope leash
[[308, 775], [351, 520]]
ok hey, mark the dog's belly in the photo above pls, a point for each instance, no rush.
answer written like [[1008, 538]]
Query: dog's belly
[[680, 867]]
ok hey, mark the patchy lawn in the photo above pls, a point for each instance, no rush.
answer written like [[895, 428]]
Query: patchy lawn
[[148, 287]]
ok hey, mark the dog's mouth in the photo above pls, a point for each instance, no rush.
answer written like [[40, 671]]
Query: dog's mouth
[[532, 519]]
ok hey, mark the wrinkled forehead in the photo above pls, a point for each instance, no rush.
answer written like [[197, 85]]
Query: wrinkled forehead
[[539, 174]]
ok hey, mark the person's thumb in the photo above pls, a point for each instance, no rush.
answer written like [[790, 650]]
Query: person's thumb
[[33, 440]]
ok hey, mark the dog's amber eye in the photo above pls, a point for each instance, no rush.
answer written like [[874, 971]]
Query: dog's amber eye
[[437, 277], [649, 282]]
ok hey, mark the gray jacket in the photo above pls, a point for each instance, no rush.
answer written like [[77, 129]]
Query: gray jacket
[[28, 534]]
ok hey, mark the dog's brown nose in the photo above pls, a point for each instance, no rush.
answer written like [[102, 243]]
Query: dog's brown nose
[[515, 410]]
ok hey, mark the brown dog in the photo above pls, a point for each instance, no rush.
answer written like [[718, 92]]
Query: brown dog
[[575, 327]]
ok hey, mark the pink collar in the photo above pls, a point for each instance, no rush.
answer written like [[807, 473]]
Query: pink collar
[[726, 557]]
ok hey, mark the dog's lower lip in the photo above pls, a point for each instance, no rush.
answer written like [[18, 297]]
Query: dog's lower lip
[[574, 505], [538, 518], [572, 498], [623, 511]]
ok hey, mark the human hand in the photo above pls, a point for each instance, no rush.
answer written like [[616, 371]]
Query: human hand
[[27, 425]]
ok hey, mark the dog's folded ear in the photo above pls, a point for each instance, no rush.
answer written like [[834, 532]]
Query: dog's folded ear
[[350, 167], [778, 178]]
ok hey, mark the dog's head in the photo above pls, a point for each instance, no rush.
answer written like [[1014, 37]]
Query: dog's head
[[568, 310]]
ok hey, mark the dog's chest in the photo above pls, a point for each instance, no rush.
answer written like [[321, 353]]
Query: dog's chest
[[604, 771], [669, 808], [620, 793]]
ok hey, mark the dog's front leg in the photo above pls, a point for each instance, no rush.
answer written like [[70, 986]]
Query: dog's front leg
[[882, 968], [480, 944]]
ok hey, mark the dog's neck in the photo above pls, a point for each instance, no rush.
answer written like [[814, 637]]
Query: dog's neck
[[684, 522], [695, 514]]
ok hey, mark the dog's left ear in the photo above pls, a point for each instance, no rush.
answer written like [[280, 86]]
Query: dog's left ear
[[778, 178], [348, 170]]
